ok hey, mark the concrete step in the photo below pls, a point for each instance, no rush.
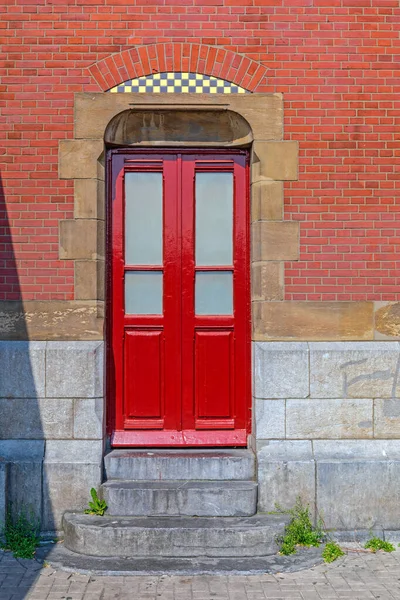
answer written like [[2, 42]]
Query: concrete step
[[147, 465], [188, 537], [174, 498]]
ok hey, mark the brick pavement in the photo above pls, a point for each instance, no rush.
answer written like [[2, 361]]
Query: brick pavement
[[357, 576]]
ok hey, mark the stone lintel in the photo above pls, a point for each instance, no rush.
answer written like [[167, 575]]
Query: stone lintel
[[93, 111], [275, 240], [296, 320]]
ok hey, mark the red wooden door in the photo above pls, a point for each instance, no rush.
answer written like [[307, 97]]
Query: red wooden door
[[179, 313]]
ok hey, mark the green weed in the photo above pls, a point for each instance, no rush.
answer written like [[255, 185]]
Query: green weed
[[300, 531], [21, 534], [97, 506], [331, 552], [375, 544]]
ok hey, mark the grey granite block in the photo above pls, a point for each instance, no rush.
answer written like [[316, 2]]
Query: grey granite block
[[22, 369], [354, 369], [281, 370], [74, 369]]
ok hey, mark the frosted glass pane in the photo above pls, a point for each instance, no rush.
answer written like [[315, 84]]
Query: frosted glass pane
[[143, 219], [214, 218], [214, 293], [143, 292]]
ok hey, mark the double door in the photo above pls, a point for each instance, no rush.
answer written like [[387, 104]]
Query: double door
[[179, 358]]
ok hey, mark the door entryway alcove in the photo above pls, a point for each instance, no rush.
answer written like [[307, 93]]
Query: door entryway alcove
[[179, 298]]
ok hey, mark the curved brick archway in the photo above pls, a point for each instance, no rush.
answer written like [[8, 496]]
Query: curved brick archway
[[194, 58]]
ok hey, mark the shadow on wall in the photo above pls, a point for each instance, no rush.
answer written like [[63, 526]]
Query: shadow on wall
[[26, 415]]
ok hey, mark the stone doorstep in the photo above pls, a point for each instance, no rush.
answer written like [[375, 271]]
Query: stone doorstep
[[174, 498], [191, 464], [174, 537]]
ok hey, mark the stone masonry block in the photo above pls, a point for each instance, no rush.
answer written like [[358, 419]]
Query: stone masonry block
[[74, 370], [294, 321], [286, 470], [3, 491], [354, 369], [22, 369], [267, 281], [267, 201], [74, 451], [275, 240], [359, 493], [67, 487], [82, 239], [36, 418], [275, 160], [281, 370], [78, 158], [89, 279], [328, 419], [89, 200], [387, 418], [270, 419], [88, 418]]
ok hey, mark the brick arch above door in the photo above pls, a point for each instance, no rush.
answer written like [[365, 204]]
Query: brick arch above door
[[194, 58]]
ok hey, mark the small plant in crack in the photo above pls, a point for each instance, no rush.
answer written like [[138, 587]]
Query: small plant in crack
[[96, 506], [299, 531], [375, 544]]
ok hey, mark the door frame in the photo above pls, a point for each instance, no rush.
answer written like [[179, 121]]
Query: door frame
[[110, 370]]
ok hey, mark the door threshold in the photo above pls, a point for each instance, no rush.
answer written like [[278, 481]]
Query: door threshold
[[122, 439]]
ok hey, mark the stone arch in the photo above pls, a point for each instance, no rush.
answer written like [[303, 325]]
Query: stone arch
[[194, 58]]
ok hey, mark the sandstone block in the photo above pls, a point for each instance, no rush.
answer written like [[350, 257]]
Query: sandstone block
[[275, 240], [275, 160], [78, 159], [267, 201], [89, 199], [387, 418], [82, 239], [281, 370], [294, 321], [267, 281]]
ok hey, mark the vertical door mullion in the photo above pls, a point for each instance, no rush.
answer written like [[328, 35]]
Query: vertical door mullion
[[188, 273], [172, 296]]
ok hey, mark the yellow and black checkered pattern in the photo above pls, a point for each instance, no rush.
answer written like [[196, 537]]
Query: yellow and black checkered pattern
[[192, 83]]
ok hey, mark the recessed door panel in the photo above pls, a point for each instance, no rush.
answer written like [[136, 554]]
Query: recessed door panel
[[144, 378], [213, 378], [179, 361]]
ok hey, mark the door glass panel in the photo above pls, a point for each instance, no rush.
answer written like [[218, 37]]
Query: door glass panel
[[143, 292], [214, 218], [214, 293], [143, 219]]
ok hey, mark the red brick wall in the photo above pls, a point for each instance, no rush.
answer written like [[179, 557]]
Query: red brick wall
[[337, 63]]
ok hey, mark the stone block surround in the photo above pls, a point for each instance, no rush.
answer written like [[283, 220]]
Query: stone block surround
[[51, 426], [327, 428]]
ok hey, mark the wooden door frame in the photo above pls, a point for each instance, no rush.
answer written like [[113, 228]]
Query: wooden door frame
[[201, 439]]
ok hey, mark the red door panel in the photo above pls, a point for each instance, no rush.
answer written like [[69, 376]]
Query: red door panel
[[179, 312], [213, 379], [144, 379]]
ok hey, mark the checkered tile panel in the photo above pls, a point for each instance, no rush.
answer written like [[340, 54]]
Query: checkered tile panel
[[179, 83]]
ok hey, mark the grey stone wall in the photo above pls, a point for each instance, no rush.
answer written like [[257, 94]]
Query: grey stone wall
[[51, 425], [327, 426]]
